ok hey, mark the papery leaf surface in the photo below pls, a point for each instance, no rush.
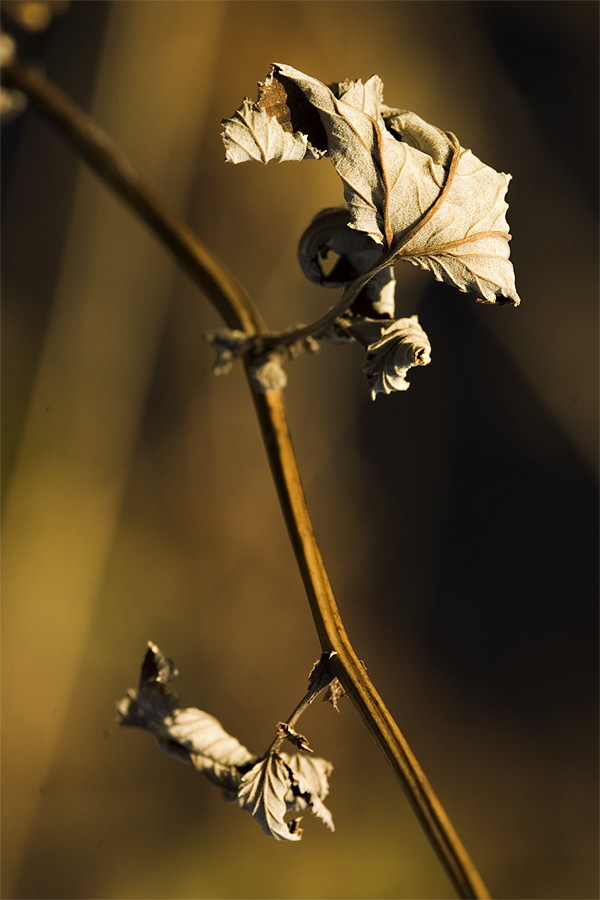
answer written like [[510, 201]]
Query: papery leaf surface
[[190, 734], [281, 783], [212, 750], [310, 785], [466, 241], [407, 184], [387, 184], [262, 793], [392, 349], [311, 771], [263, 131]]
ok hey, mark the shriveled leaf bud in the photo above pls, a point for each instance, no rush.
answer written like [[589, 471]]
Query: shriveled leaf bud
[[392, 349]]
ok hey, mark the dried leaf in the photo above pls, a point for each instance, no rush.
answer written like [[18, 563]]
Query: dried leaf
[[284, 731], [418, 133], [333, 693], [386, 182], [329, 232], [189, 735], [281, 783], [408, 185], [262, 792], [310, 772], [310, 785], [256, 132], [321, 673], [158, 671], [466, 242], [268, 787], [392, 349]]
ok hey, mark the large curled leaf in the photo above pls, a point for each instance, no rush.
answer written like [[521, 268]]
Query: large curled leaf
[[328, 233], [466, 242], [386, 183], [408, 185]]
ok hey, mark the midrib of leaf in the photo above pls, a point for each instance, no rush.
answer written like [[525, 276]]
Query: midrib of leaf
[[435, 249], [437, 203], [381, 140]]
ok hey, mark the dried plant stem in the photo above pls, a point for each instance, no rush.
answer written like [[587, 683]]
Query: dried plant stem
[[238, 312], [291, 721], [102, 155], [347, 666]]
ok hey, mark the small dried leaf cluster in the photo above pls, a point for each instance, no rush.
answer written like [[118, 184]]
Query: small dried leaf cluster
[[269, 786], [412, 193]]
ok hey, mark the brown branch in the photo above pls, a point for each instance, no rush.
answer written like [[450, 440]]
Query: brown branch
[[237, 310], [349, 669], [105, 158]]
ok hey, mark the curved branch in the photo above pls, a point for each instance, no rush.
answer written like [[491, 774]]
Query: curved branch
[[349, 669], [105, 158], [238, 311]]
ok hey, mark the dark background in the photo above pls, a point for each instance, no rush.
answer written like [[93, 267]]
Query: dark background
[[458, 520]]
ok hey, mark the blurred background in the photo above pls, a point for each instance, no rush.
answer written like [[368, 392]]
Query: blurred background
[[458, 521]]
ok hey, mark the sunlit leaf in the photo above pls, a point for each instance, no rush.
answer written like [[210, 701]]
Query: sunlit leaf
[[268, 788], [255, 132], [310, 785], [392, 349], [408, 185], [189, 735], [281, 783], [262, 792]]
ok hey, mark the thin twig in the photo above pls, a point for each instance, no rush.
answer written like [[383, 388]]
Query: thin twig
[[291, 721], [237, 310]]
